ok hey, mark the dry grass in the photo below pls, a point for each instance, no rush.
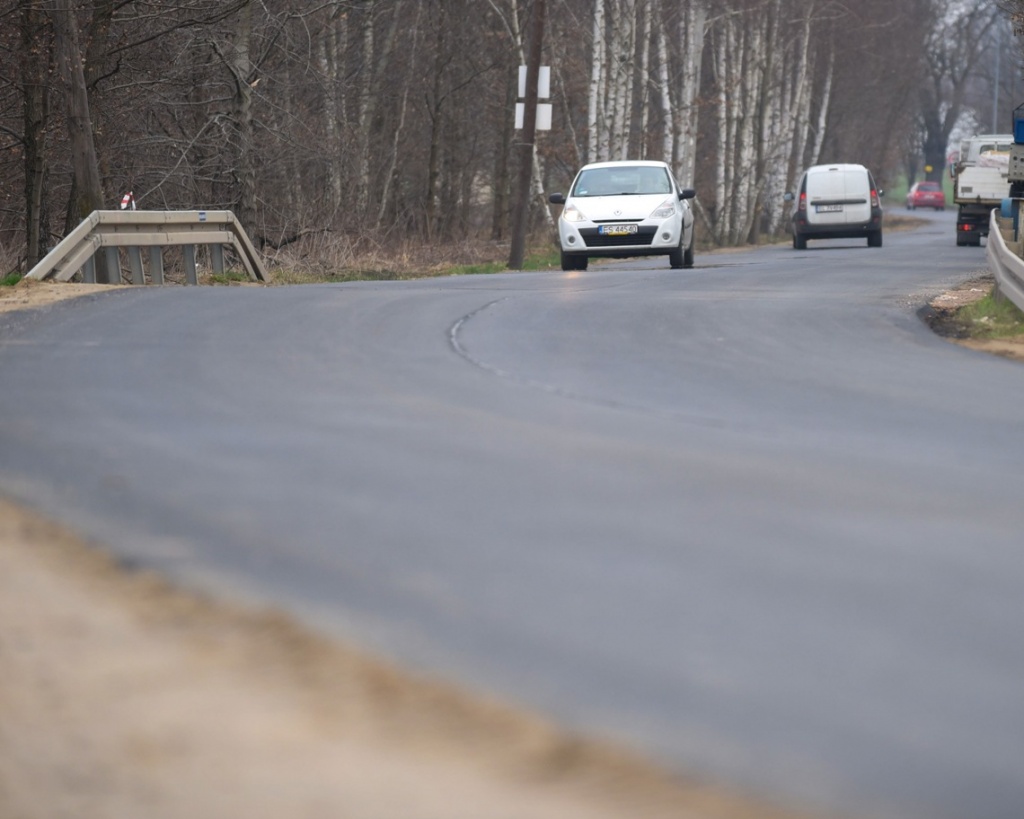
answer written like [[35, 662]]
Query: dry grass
[[332, 258]]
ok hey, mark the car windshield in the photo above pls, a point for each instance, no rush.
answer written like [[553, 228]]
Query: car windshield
[[617, 181]]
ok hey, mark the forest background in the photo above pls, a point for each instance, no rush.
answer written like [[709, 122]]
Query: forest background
[[355, 133]]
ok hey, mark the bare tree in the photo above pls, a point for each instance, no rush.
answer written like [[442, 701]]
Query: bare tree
[[85, 164], [955, 44], [35, 66], [352, 121]]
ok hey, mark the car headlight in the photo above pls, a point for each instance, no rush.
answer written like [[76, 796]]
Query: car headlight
[[664, 210], [571, 213]]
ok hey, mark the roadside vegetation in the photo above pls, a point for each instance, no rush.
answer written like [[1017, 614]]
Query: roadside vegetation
[[385, 122], [411, 261], [976, 315], [991, 317]]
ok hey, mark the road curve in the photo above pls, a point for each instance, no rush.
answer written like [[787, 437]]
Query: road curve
[[752, 519]]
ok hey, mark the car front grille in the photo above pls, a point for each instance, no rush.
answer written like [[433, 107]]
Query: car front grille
[[643, 236]]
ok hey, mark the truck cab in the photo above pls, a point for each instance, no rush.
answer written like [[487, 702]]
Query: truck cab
[[980, 183]]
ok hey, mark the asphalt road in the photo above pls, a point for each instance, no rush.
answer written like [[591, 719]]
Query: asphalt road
[[752, 519]]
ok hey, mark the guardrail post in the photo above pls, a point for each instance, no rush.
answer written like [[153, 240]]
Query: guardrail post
[[135, 262], [217, 259], [189, 252], [89, 271], [156, 264], [113, 266]]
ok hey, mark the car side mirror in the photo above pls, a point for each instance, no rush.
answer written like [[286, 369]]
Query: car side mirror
[[881, 193], [788, 196], [556, 199], [687, 193]]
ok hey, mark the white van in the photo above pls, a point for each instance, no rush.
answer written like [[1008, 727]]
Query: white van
[[837, 202]]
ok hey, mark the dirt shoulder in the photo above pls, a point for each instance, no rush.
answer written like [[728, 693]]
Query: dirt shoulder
[[28, 293], [942, 319], [123, 697]]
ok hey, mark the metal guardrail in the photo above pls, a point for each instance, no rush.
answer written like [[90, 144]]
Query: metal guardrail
[[1004, 258], [110, 230]]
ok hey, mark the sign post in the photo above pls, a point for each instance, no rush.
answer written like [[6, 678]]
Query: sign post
[[521, 210]]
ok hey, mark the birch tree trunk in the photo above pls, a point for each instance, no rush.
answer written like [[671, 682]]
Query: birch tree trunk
[[367, 104], [645, 80], [245, 168], [669, 136], [598, 70], [765, 131], [724, 62], [692, 35], [330, 50], [799, 108], [624, 45], [751, 55], [826, 99]]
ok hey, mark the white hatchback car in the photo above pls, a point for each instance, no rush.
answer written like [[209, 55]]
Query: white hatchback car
[[624, 209]]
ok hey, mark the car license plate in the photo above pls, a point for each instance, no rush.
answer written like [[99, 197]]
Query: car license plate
[[616, 230], [829, 208]]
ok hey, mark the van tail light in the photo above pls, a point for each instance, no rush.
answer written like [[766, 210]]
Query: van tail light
[[874, 199], [803, 202]]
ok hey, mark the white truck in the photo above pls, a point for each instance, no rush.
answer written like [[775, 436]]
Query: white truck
[[980, 183]]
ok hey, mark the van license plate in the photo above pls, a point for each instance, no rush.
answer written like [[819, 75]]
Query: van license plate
[[829, 208], [616, 230]]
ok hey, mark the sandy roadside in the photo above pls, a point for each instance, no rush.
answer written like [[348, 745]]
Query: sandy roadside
[[122, 697]]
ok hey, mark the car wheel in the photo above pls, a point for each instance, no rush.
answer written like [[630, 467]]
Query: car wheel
[[875, 238], [688, 253], [571, 261], [799, 242], [675, 256]]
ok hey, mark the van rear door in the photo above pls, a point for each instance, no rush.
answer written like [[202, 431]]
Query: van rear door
[[838, 196]]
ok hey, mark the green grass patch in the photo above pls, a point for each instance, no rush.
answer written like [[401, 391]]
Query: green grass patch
[[229, 277], [10, 279], [991, 317], [537, 260]]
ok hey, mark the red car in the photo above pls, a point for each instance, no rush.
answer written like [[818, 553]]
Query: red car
[[926, 195]]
